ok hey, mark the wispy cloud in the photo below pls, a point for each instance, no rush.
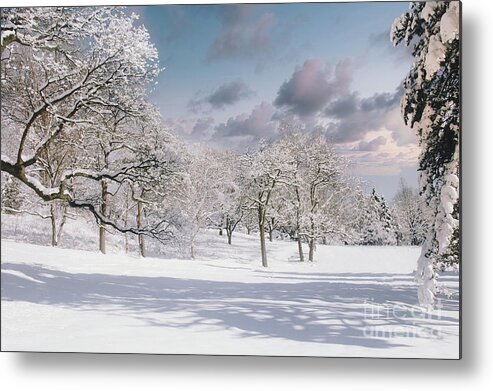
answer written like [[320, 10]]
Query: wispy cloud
[[225, 95], [372, 145], [203, 128], [259, 123], [352, 117]]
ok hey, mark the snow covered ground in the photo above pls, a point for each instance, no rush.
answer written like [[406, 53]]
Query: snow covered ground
[[353, 301]]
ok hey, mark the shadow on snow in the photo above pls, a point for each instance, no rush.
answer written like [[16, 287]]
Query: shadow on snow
[[327, 311]]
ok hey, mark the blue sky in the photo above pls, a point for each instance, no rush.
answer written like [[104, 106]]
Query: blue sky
[[232, 72]]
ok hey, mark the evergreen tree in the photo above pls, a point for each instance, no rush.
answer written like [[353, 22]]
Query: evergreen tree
[[380, 226], [431, 106], [389, 226], [11, 194]]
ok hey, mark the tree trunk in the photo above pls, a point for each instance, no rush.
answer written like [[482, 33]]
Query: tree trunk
[[103, 211], [261, 222], [125, 242], [324, 240], [139, 226], [228, 230], [125, 235], [62, 223], [300, 249], [263, 248], [311, 244], [58, 218], [248, 230], [102, 239], [220, 232], [192, 250], [270, 234], [54, 241]]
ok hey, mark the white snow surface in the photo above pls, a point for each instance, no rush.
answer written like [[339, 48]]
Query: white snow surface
[[352, 301]]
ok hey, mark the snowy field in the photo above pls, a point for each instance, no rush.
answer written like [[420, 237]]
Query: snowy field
[[353, 301]]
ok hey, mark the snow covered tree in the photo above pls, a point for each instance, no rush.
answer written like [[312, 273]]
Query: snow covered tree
[[274, 215], [121, 140], [292, 214], [156, 191], [231, 206], [340, 211], [262, 173], [412, 215], [355, 221], [390, 233], [316, 182], [249, 220], [431, 105], [65, 71], [57, 157], [381, 228], [11, 197], [288, 206], [203, 183], [371, 223]]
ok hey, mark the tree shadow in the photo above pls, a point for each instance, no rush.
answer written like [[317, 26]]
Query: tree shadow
[[330, 311]]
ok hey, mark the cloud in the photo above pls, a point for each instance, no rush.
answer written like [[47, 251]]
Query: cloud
[[228, 94], [372, 145], [353, 117], [401, 133], [343, 107], [352, 128], [181, 126], [203, 128], [382, 100], [313, 85], [225, 95], [258, 123], [243, 34], [189, 128], [387, 162]]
